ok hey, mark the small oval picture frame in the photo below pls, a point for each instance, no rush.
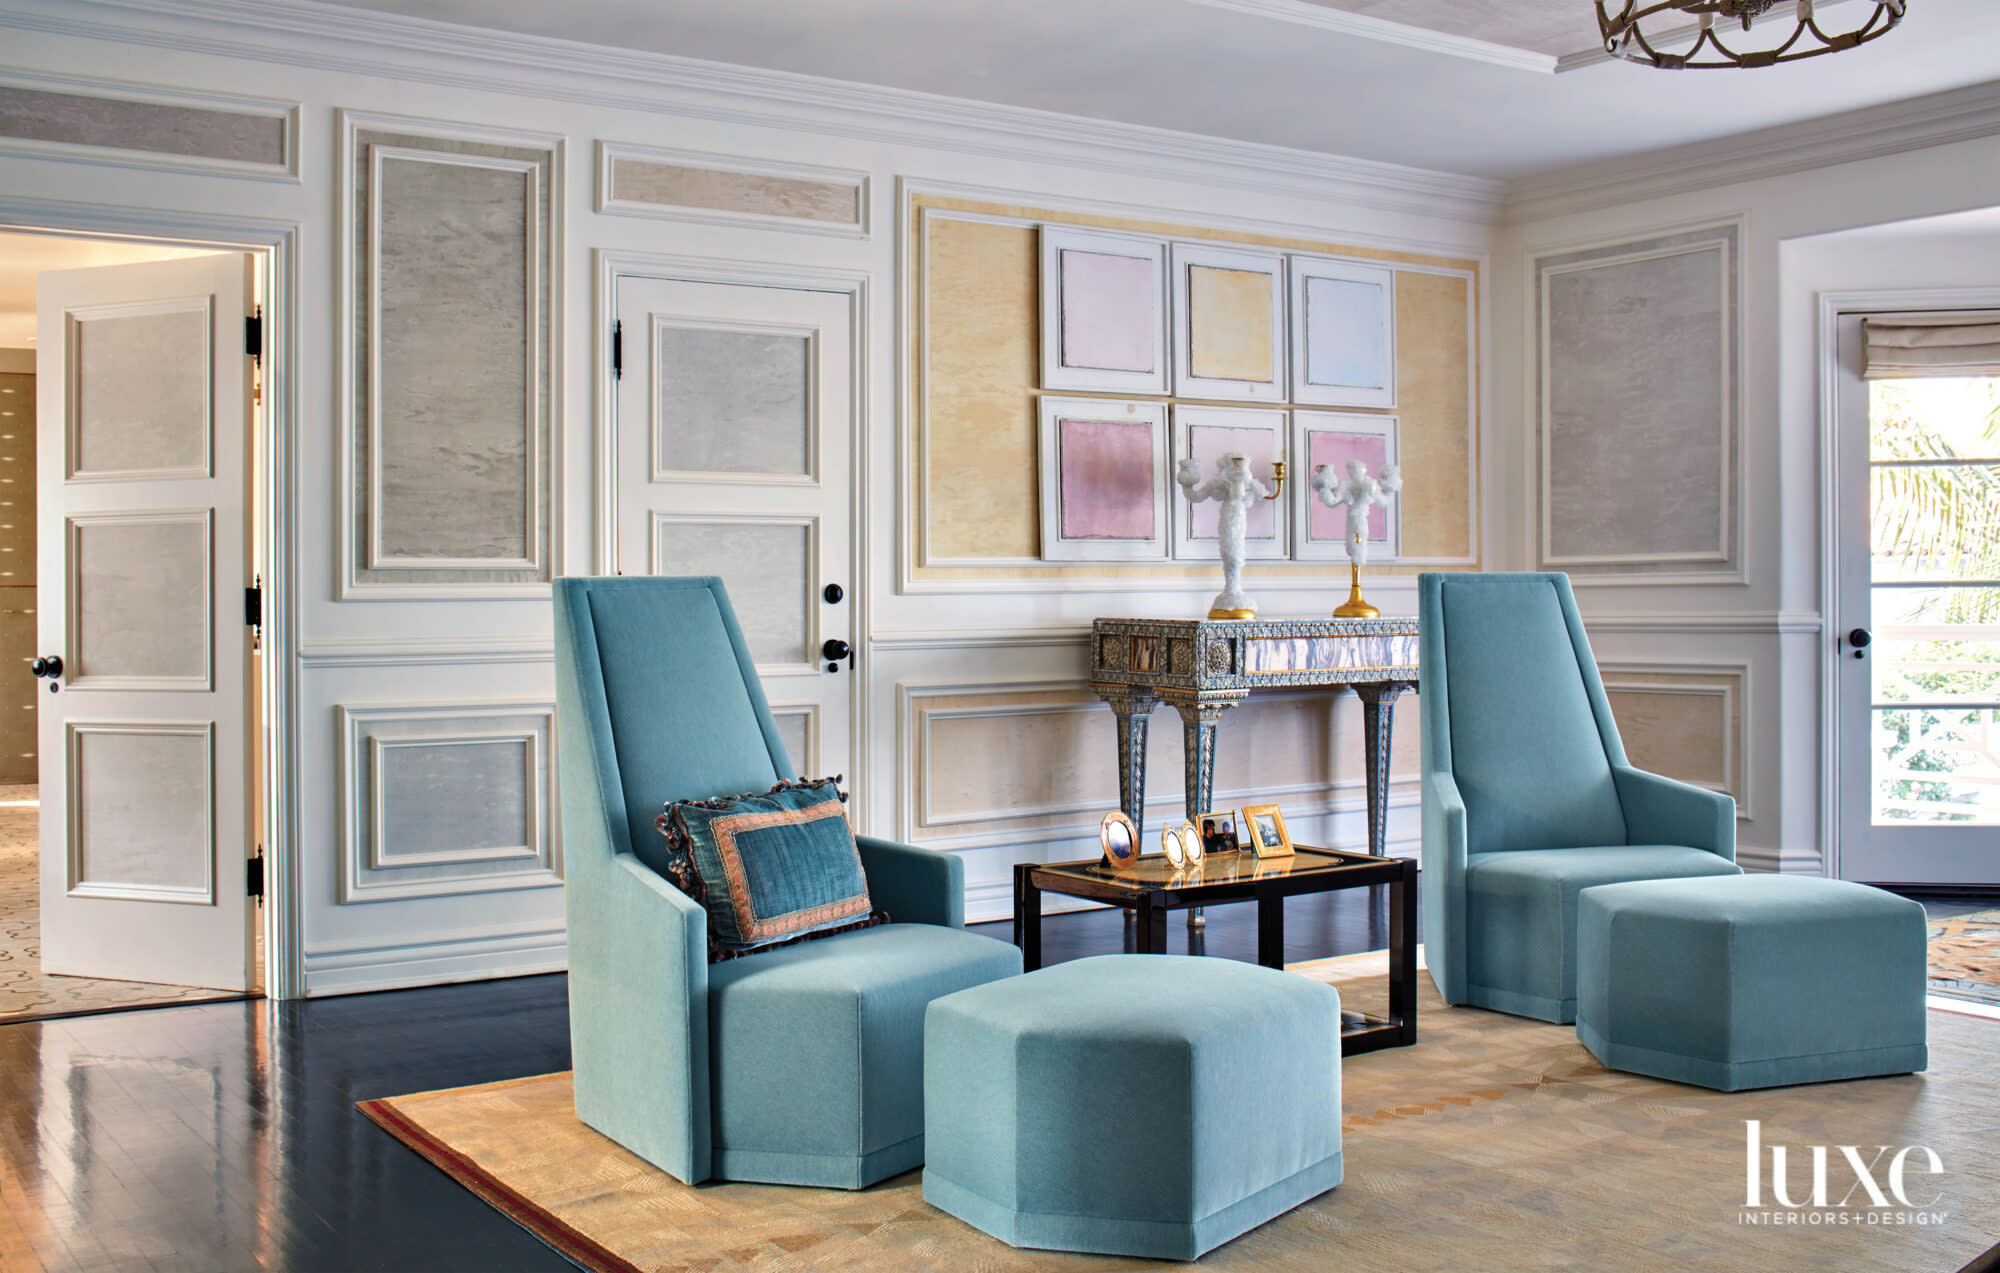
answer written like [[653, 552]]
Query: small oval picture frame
[[1191, 838], [1174, 847], [1120, 840]]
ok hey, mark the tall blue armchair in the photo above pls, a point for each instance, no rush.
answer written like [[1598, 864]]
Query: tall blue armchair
[[798, 1065], [1527, 796]]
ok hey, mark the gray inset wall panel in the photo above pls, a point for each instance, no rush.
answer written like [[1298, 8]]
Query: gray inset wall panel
[[445, 798], [141, 599], [80, 120], [143, 805], [733, 402], [453, 258], [142, 401], [1639, 347], [675, 185]]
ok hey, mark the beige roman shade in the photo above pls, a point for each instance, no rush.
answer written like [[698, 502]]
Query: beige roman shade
[[1905, 346]]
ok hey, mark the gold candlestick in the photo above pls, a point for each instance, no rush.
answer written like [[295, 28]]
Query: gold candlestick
[[1356, 606]]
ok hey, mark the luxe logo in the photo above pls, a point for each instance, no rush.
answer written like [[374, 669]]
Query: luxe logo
[[1845, 1184]]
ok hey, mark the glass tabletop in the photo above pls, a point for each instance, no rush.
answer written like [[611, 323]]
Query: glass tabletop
[[1239, 867]]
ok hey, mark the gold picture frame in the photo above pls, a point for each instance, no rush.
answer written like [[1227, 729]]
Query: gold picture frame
[[1120, 840], [1268, 837], [1217, 832]]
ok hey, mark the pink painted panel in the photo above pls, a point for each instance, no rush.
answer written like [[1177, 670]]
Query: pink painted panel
[[1108, 307], [1329, 525], [1107, 479], [1209, 443]]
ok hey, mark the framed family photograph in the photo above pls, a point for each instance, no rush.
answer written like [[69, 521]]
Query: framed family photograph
[[1217, 832], [1266, 825]]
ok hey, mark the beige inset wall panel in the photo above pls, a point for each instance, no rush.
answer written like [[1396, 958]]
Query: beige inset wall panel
[[977, 324], [77, 119], [17, 481], [680, 186], [1683, 725], [452, 333]]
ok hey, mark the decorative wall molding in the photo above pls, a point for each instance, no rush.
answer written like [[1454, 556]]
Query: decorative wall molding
[[424, 651], [350, 967], [1611, 372], [1962, 114], [374, 44], [1691, 623], [803, 180], [372, 569], [1729, 682], [1015, 638], [88, 90], [378, 738]]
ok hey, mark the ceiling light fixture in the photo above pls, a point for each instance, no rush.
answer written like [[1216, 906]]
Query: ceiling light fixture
[[1622, 24]]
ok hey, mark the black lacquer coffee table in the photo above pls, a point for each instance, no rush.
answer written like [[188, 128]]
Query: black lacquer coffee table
[[1151, 887]]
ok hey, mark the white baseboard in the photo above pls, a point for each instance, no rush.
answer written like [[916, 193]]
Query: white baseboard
[[1770, 858], [342, 972]]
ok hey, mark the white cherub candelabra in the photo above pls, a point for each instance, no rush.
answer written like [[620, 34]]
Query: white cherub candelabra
[[1235, 488], [1358, 493]]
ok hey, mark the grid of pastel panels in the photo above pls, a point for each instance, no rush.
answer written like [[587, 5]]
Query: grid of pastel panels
[[1249, 348]]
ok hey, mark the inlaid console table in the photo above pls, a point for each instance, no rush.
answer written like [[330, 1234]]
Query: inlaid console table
[[1204, 667]]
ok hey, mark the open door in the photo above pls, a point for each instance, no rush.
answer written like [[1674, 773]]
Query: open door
[[144, 524]]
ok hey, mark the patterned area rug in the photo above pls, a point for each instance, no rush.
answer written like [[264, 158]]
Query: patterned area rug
[[1496, 1145], [1965, 957], [26, 992]]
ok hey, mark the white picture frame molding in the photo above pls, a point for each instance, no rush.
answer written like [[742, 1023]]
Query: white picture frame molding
[[1302, 269], [1055, 240], [1051, 410], [1189, 256], [1304, 424], [1188, 417]]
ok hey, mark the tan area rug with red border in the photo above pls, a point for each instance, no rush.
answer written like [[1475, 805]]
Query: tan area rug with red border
[[1496, 1144]]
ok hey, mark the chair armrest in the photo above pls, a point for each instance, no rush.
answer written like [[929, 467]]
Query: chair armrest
[[915, 886], [1442, 884], [1662, 811], [638, 996]]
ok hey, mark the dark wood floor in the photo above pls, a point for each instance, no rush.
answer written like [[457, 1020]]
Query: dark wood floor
[[222, 1137]]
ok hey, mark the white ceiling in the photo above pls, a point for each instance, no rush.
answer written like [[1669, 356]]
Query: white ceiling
[[22, 256], [1322, 75]]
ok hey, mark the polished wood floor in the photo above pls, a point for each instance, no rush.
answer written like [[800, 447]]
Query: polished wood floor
[[221, 1137]]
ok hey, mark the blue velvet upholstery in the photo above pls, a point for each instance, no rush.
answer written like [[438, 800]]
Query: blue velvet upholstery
[[1145, 1105], [1775, 980], [1522, 760], [657, 700]]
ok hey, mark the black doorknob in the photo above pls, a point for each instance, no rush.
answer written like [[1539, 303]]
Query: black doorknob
[[1859, 638], [49, 665], [834, 650], [833, 592]]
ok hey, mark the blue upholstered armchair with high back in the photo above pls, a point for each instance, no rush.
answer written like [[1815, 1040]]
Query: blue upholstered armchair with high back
[[1527, 797], [798, 1065]]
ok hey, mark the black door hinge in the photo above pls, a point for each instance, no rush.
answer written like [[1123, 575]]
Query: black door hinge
[[253, 604], [253, 879], [618, 350], [253, 334]]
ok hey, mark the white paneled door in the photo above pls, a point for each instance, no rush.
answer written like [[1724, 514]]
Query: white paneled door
[[731, 457], [144, 536]]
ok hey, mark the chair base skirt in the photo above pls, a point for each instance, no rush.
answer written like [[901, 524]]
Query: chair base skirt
[[1740, 1076], [820, 1171], [1518, 1003], [1147, 1239]]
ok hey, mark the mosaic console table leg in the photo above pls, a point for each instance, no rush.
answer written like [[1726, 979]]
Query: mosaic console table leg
[[1198, 721], [1133, 707], [1378, 727]]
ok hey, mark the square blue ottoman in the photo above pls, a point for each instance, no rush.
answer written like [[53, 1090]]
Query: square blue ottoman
[[1146, 1105], [1751, 981]]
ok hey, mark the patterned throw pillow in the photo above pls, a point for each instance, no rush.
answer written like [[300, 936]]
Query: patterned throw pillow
[[770, 869]]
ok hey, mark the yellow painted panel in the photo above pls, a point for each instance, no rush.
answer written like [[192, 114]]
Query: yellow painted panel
[[979, 496], [1434, 400], [1229, 324]]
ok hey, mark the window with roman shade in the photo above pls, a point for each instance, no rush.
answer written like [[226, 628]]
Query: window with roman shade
[[1907, 346]]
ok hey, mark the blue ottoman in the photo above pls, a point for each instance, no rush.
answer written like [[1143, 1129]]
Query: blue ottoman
[[1147, 1105], [1751, 981]]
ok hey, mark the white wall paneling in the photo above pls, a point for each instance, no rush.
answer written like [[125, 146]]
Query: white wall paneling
[[445, 799], [452, 242], [147, 128], [1639, 402], [682, 185]]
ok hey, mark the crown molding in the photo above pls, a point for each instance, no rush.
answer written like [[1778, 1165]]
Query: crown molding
[[1939, 119], [367, 42], [1382, 31]]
